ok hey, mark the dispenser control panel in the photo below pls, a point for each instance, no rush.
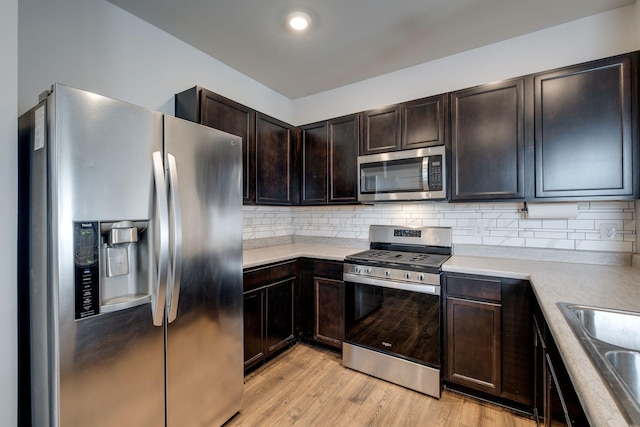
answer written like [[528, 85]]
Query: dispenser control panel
[[86, 241]]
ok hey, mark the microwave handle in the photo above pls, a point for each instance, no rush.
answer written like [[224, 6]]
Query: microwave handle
[[425, 173]]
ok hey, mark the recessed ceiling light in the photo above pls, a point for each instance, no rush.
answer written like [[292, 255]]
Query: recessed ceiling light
[[298, 21]]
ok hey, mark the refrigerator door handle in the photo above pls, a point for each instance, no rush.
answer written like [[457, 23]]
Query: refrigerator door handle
[[158, 292], [176, 263]]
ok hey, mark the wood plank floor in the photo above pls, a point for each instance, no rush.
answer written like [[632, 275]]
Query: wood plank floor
[[307, 386]]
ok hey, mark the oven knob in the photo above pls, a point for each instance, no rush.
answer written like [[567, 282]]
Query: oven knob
[[387, 273], [421, 277], [407, 275], [357, 270], [368, 270]]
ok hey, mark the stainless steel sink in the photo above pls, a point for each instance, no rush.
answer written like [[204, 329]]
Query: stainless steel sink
[[627, 366], [612, 340], [619, 328]]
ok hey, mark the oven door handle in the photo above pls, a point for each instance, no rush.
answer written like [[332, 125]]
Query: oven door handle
[[422, 289]]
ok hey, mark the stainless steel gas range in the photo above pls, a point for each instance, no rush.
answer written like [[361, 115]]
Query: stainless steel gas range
[[393, 307]]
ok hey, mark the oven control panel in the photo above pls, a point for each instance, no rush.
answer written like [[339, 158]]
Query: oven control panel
[[393, 274]]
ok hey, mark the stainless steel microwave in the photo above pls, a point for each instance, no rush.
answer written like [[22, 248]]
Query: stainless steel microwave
[[419, 174]]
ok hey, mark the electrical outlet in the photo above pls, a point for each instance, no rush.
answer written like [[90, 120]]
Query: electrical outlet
[[608, 231]]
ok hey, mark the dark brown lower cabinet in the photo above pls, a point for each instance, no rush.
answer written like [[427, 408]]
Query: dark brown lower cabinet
[[556, 403], [322, 304], [254, 327], [269, 310], [328, 311], [473, 333], [488, 346], [279, 315]]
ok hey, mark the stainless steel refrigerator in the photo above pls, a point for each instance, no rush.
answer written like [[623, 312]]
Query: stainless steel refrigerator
[[134, 258]]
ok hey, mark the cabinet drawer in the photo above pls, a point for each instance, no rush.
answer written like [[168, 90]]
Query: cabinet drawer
[[257, 277], [328, 269], [476, 288]]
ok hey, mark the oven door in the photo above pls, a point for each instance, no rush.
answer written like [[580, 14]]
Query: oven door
[[395, 318]]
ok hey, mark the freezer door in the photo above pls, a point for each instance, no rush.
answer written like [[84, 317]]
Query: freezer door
[[106, 360], [204, 335]]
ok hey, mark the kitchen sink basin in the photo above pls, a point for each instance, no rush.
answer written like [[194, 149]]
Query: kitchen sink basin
[[612, 340], [627, 366], [619, 328]]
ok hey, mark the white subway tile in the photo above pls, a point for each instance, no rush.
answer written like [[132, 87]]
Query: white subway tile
[[503, 241], [613, 205], [504, 233], [509, 223], [549, 243], [467, 240], [550, 235], [529, 223], [576, 236], [581, 224], [554, 223], [604, 245], [503, 224]]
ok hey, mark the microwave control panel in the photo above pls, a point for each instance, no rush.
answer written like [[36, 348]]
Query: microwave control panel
[[435, 173]]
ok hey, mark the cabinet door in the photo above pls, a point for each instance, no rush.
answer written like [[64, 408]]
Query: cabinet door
[[562, 405], [540, 392], [487, 142], [328, 311], [381, 130], [210, 109], [276, 156], [344, 136], [279, 318], [314, 164], [253, 327], [473, 344], [423, 122], [229, 116], [583, 130], [517, 344]]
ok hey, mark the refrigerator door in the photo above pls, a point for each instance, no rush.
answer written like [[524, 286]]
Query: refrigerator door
[[106, 357], [204, 336]]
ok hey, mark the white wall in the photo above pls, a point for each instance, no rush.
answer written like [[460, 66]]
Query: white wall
[[96, 46], [8, 210], [606, 34]]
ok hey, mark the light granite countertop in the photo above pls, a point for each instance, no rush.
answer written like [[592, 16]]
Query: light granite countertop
[[610, 286], [270, 254]]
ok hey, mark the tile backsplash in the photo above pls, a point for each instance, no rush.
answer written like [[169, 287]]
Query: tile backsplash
[[495, 224]]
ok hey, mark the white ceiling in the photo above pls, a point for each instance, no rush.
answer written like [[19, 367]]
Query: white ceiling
[[350, 40]]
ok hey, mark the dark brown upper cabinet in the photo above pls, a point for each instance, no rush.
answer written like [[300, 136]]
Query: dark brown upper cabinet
[[585, 130], [329, 160], [381, 130], [210, 109], [276, 162], [424, 122], [314, 148], [414, 124], [488, 142]]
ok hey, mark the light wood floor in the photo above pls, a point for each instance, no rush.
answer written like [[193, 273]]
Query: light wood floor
[[307, 386]]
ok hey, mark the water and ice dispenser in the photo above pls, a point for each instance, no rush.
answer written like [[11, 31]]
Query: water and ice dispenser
[[111, 266]]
